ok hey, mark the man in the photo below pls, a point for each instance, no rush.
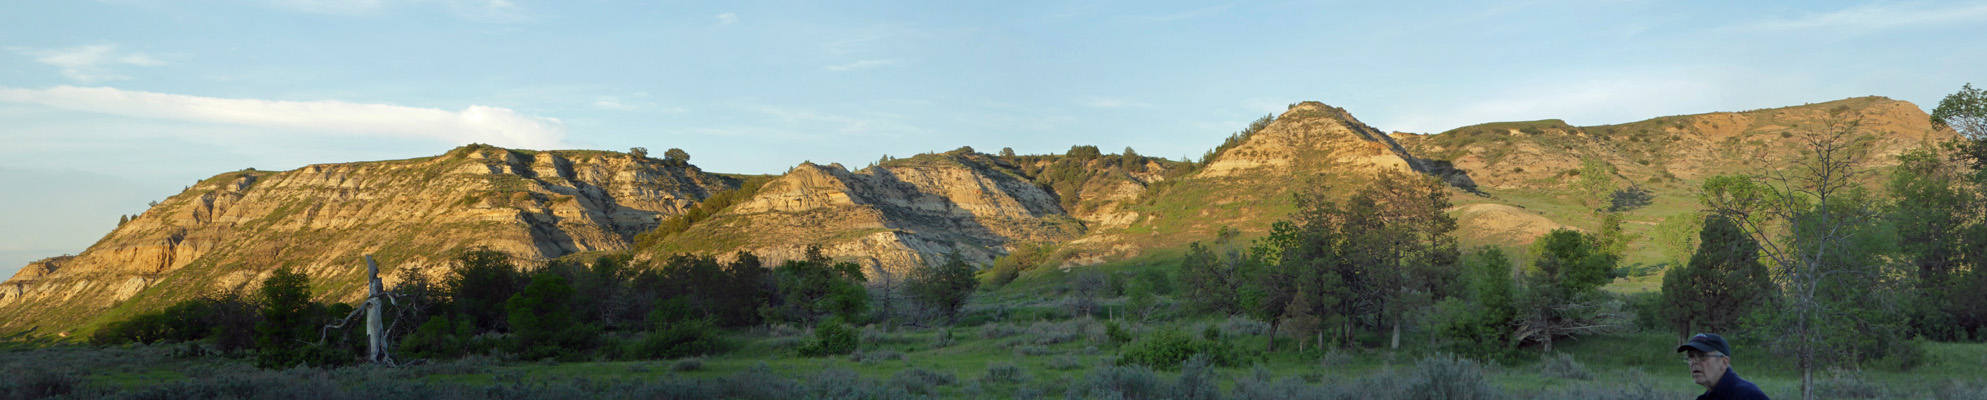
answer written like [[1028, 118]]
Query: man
[[1710, 360]]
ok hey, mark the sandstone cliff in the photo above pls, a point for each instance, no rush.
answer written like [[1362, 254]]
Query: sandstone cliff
[[231, 230]]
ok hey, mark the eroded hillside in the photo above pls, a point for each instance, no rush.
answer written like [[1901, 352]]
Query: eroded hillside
[[233, 229]]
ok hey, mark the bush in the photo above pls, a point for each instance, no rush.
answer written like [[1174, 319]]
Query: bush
[[1001, 372], [1065, 363], [1237, 325], [1122, 382], [1117, 334], [1444, 376], [687, 365], [1848, 384], [1563, 366], [922, 381], [831, 337], [694, 337], [1168, 348], [439, 337], [36, 383]]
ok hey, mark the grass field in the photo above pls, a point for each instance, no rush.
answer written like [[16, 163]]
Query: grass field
[[1015, 342]]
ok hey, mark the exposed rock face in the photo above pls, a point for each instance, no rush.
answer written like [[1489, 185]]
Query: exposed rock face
[[1539, 154], [894, 216], [1312, 136], [229, 231]]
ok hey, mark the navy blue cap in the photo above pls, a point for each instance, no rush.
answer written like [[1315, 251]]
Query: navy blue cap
[[1707, 342]]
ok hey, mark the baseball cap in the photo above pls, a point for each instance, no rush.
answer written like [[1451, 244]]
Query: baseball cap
[[1707, 342]]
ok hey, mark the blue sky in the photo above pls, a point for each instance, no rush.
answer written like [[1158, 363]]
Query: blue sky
[[105, 105]]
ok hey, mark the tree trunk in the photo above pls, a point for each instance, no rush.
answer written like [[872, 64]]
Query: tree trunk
[[1397, 335], [1272, 336], [375, 332]]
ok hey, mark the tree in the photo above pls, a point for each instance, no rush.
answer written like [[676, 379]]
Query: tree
[[1007, 152], [287, 319], [541, 319], [1561, 295], [481, 282], [1213, 274], [1131, 160], [1723, 282], [818, 286], [946, 287], [676, 156], [1966, 112], [1083, 152], [639, 152], [1940, 234], [1822, 233]]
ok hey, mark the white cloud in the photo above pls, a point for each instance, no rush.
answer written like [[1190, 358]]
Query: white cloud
[[727, 19], [477, 124], [860, 65], [89, 63], [1877, 16]]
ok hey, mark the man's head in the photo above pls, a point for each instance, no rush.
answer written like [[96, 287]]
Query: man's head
[[1709, 356]]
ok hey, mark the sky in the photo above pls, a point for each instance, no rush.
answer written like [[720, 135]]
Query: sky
[[106, 105]]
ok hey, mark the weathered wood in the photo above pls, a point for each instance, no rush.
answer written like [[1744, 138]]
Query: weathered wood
[[375, 334]]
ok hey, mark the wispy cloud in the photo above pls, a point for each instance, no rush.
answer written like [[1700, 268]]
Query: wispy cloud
[[474, 124], [727, 19], [1877, 16], [89, 63], [860, 65]]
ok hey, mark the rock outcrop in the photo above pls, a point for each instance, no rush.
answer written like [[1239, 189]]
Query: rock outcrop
[[229, 231]]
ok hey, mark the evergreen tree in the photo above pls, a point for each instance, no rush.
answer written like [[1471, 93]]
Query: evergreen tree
[[288, 321], [1723, 282]]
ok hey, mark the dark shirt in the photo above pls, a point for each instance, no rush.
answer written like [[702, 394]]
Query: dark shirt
[[1731, 387]]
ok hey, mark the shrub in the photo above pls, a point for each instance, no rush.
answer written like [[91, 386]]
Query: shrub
[[1168, 348], [1444, 376], [922, 381], [1065, 363], [687, 364], [1563, 366], [1044, 332], [1196, 381], [1237, 325], [998, 330], [36, 383], [1007, 373], [1116, 333], [831, 337], [1122, 382], [1848, 384], [694, 337]]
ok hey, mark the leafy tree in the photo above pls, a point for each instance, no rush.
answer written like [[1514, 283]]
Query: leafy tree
[[1562, 290], [1827, 245], [1007, 152], [818, 286], [680, 333], [1723, 282], [1084, 153], [1677, 236], [479, 285], [676, 156], [289, 320], [1213, 275], [1966, 112], [1940, 233], [542, 322], [1131, 160], [946, 287], [1492, 302], [831, 337], [639, 152]]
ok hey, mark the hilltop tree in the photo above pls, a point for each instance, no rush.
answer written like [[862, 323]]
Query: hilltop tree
[[1007, 152], [1083, 152], [1131, 160], [1723, 282], [676, 156], [640, 153]]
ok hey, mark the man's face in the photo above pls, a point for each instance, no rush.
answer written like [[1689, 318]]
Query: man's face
[[1705, 369]]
